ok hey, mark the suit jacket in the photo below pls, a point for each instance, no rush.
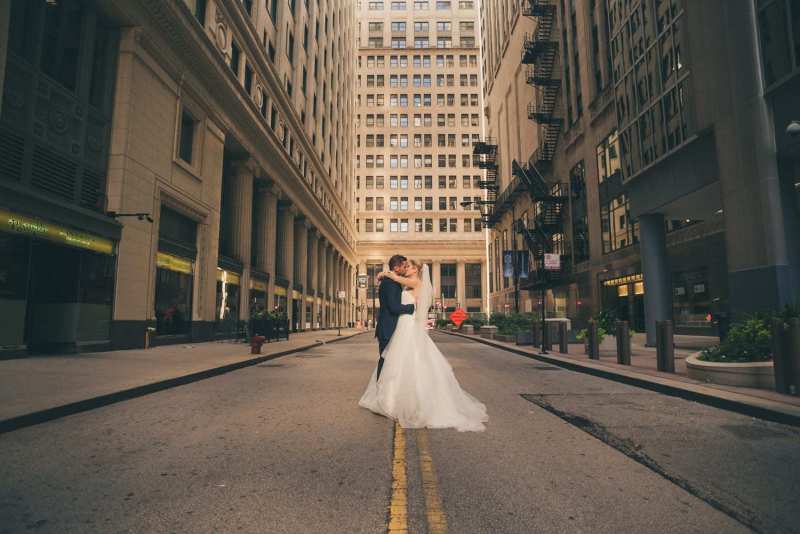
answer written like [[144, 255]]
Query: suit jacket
[[389, 295]]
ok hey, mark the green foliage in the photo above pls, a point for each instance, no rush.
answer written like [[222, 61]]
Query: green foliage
[[442, 323], [790, 311], [476, 320], [607, 320], [748, 341], [277, 315], [601, 334], [513, 323]]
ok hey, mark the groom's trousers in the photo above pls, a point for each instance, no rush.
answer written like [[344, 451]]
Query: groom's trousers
[[381, 346]]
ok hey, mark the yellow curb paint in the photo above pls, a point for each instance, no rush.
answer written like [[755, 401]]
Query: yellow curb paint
[[398, 508], [437, 522]]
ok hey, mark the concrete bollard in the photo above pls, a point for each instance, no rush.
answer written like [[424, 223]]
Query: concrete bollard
[[563, 342], [623, 343], [665, 346], [594, 342]]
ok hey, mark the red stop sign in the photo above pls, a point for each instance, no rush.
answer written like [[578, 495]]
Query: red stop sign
[[458, 316]]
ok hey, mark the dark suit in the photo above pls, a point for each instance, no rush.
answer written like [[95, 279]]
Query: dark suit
[[390, 297]]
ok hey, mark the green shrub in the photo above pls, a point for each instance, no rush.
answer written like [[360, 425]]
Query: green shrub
[[442, 323], [607, 320], [513, 323], [477, 321], [601, 334], [748, 341]]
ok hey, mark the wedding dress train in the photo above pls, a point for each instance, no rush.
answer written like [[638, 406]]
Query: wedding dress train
[[417, 387]]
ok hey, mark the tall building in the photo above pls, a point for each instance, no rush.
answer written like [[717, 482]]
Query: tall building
[[655, 162], [418, 106], [170, 168]]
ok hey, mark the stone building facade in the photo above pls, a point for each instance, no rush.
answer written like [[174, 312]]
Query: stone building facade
[[667, 129], [418, 109], [182, 165]]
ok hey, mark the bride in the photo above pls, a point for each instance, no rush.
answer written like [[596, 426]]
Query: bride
[[417, 387]]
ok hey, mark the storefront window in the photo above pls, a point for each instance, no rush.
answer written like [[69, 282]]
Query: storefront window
[[227, 310], [13, 289], [96, 290], [691, 301], [174, 281], [258, 297]]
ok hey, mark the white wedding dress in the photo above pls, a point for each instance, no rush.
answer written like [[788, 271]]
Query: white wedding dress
[[417, 387]]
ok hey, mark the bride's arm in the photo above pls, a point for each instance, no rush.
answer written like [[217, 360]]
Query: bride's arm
[[409, 282]]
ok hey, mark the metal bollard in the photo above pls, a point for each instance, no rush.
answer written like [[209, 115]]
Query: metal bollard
[[780, 355], [665, 346], [623, 343], [547, 344], [536, 329], [794, 355], [594, 342], [563, 345]]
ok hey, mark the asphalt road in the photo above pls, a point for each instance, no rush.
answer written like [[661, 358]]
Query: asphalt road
[[283, 447]]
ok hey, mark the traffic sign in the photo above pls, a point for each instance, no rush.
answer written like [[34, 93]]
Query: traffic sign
[[458, 316]]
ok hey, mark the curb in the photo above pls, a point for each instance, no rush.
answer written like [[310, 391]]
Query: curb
[[57, 412], [730, 401]]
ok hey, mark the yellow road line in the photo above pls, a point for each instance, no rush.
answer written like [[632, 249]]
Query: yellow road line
[[398, 508], [437, 522]]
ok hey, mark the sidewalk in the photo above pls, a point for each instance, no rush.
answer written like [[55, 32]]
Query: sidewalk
[[643, 373], [40, 388]]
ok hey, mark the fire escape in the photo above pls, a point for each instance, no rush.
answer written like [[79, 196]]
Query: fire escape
[[486, 150], [546, 235]]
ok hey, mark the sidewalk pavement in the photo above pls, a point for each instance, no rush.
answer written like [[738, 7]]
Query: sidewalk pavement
[[40, 388], [643, 372]]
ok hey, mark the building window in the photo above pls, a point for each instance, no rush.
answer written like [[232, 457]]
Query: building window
[[617, 229], [473, 282], [186, 136], [448, 280]]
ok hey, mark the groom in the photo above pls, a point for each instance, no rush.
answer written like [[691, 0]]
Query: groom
[[389, 296]]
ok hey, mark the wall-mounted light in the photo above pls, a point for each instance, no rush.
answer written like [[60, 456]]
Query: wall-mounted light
[[139, 215]]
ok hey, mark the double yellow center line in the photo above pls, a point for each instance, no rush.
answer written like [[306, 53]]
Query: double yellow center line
[[398, 508]]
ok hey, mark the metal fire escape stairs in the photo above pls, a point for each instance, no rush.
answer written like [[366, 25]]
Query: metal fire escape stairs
[[540, 53]]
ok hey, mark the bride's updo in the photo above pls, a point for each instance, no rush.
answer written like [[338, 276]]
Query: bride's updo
[[418, 266]]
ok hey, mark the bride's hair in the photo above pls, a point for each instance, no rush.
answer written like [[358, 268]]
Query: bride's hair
[[418, 265]]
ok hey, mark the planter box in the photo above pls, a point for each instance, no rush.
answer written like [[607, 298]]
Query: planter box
[[505, 338], [467, 329], [751, 374], [488, 331]]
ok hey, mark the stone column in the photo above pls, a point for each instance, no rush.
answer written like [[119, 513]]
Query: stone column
[[485, 274], [436, 276], [301, 265], [656, 271], [264, 241], [330, 284], [285, 248], [461, 284], [322, 281], [313, 273], [241, 227]]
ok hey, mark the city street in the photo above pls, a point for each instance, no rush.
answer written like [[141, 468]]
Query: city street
[[283, 447]]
